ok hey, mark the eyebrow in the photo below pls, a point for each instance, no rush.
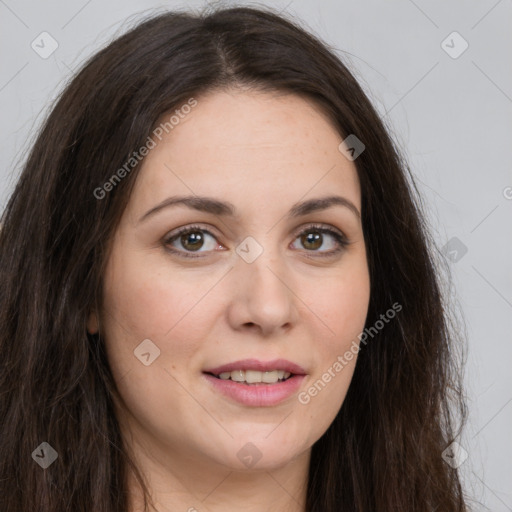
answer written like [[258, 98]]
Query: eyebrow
[[224, 208]]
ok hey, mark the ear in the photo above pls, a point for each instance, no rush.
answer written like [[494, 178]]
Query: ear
[[92, 323]]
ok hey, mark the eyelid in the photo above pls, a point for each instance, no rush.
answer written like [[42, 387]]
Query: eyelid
[[187, 229], [340, 237], [321, 227], [342, 240]]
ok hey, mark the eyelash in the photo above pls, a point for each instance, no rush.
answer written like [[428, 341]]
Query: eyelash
[[320, 228]]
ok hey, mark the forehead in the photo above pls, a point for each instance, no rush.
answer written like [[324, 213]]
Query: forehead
[[248, 146]]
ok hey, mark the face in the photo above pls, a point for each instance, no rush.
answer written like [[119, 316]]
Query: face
[[192, 287]]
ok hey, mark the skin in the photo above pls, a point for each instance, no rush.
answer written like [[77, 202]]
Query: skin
[[262, 152]]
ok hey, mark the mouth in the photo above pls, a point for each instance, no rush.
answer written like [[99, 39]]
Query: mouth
[[255, 383], [254, 377]]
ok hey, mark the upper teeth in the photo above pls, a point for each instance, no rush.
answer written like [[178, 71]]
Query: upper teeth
[[252, 376]]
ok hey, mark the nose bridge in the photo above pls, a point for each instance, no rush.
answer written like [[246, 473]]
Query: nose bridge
[[264, 295]]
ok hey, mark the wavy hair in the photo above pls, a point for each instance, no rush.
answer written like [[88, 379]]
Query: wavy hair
[[383, 450]]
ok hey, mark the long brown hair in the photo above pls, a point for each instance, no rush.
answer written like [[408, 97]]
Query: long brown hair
[[383, 450]]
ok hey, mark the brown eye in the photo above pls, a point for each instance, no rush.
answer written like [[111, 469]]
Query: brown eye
[[312, 240], [189, 240], [316, 237], [192, 241]]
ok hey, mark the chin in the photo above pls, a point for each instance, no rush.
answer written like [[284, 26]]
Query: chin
[[260, 452]]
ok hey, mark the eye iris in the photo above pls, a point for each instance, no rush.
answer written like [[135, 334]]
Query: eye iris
[[195, 238], [312, 237]]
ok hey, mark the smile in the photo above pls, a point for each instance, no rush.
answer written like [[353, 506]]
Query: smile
[[252, 377]]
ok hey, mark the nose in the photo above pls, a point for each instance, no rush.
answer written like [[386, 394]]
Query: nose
[[263, 297]]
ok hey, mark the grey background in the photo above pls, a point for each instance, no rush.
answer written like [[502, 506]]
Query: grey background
[[452, 117]]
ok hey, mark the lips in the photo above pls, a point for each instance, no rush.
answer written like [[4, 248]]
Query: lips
[[258, 394], [257, 365]]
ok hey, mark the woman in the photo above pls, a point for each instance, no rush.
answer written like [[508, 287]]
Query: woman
[[218, 291]]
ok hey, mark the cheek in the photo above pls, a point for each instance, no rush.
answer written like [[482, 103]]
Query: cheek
[[141, 302], [342, 306], [341, 302]]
